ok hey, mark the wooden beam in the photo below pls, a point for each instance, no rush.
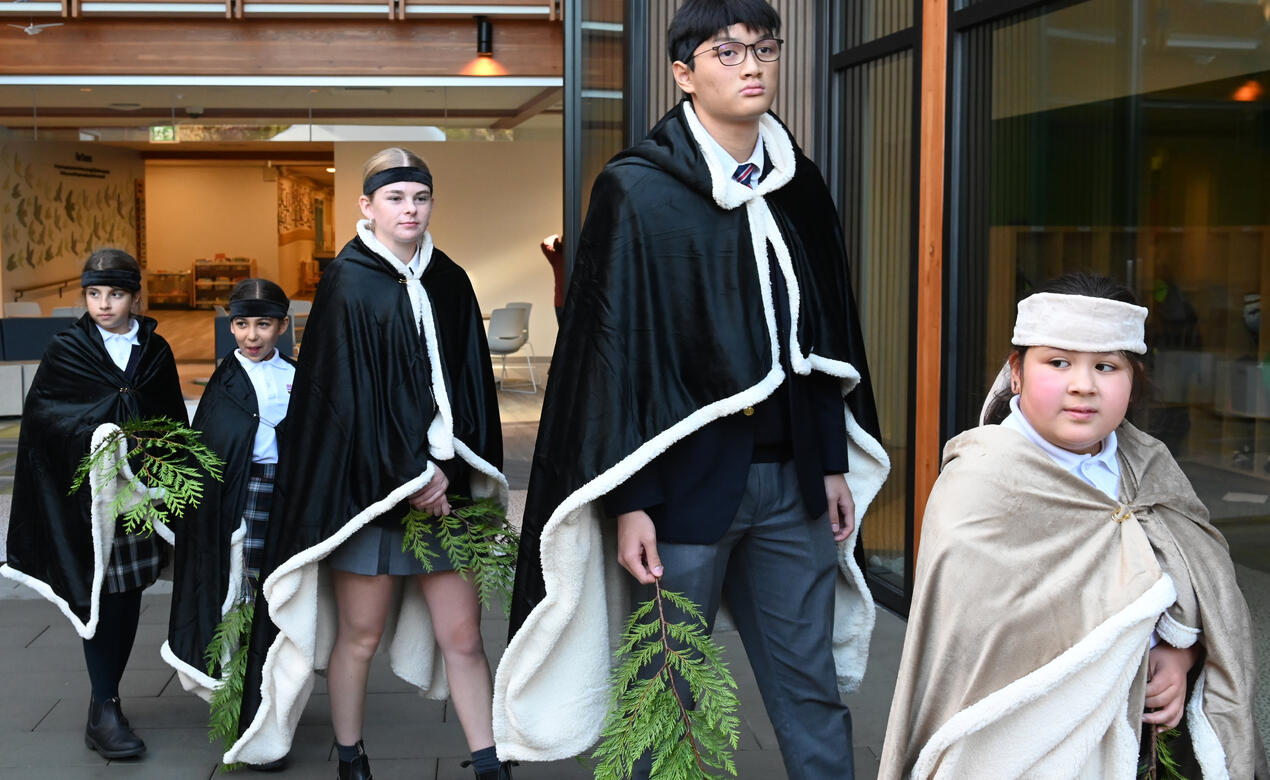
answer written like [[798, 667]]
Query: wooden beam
[[210, 115], [293, 47], [930, 261], [539, 103]]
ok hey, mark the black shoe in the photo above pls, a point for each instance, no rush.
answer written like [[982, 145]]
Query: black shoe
[[108, 731], [504, 771], [358, 768], [276, 765]]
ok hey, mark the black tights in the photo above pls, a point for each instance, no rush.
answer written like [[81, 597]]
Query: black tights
[[107, 652]]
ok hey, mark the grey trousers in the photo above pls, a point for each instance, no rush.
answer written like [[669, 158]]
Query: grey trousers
[[776, 566]]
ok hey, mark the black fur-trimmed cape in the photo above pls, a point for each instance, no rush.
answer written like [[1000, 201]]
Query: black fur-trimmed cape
[[374, 400], [670, 325], [208, 564], [59, 544]]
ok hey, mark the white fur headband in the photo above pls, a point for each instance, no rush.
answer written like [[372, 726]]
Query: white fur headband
[[1081, 323], [1077, 322]]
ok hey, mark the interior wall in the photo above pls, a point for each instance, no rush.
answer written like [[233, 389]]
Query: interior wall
[[495, 201], [197, 211], [61, 201]]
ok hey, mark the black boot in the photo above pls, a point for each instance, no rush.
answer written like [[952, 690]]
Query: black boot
[[108, 731], [504, 771], [358, 768]]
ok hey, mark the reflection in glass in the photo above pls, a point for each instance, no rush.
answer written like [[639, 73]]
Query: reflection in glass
[[877, 223], [868, 20], [1132, 139]]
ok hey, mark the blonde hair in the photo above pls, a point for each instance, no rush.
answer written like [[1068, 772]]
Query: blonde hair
[[392, 157]]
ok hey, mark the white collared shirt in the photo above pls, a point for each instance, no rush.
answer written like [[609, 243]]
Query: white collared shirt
[[119, 345], [729, 164], [1101, 470], [272, 380]]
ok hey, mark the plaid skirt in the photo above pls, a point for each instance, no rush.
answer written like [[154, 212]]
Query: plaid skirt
[[135, 562], [256, 514]]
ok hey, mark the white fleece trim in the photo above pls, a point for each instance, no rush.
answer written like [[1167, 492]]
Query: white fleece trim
[[485, 467], [287, 674], [193, 679], [293, 594], [1052, 722], [1175, 633], [103, 523], [441, 428], [237, 567], [1204, 740], [567, 629], [151, 494]]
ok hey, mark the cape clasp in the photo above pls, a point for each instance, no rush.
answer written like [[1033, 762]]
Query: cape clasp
[[1122, 514]]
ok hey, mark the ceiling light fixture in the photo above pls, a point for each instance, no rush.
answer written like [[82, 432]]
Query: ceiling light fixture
[[330, 170], [1249, 92], [484, 37]]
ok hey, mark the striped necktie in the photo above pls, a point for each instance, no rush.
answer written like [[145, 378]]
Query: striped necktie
[[746, 174]]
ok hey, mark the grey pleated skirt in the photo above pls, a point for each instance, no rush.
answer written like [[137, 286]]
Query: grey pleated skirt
[[374, 550]]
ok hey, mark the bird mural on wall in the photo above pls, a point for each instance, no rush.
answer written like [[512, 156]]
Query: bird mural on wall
[[51, 219]]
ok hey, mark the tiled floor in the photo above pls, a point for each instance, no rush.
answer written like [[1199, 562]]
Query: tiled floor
[[42, 672]]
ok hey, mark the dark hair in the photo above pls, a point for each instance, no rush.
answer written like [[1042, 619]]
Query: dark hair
[[699, 20], [1077, 283], [111, 260], [259, 290]]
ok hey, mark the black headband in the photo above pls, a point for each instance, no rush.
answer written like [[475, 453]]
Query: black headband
[[257, 307], [122, 278], [394, 175]]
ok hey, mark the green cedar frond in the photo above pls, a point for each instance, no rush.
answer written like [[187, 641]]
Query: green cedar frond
[[648, 716], [169, 455], [477, 539], [1161, 763], [227, 653]]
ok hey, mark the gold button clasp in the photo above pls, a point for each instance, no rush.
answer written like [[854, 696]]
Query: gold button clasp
[[748, 411]]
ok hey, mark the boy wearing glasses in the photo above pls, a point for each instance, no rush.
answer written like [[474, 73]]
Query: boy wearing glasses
[[709, 422]]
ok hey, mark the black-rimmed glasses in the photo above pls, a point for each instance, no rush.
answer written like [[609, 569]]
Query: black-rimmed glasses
[[733, 52]]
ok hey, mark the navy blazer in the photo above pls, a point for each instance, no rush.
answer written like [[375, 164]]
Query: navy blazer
[[692, 490]]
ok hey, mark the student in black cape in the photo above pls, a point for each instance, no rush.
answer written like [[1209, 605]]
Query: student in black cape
[[393, 407], [219, 552], [709, 422], [109, 367]]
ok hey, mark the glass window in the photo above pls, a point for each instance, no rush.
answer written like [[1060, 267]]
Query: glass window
[[868, 20], [877, 206], [1131, 139]]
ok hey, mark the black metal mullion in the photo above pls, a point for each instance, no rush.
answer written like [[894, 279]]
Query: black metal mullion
[[572, 12], [876, 49], [987, 11], [635, 106]]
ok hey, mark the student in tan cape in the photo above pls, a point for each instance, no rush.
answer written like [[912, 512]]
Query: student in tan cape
[[1071, 594]]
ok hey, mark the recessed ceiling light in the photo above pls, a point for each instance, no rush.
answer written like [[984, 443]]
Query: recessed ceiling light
[[124, 106], [85, 89], [330, 170]]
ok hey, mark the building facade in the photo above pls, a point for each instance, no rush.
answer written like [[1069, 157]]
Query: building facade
[[977, 148]]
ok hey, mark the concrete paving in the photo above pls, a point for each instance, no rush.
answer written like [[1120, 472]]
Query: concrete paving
[[45, 702]]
